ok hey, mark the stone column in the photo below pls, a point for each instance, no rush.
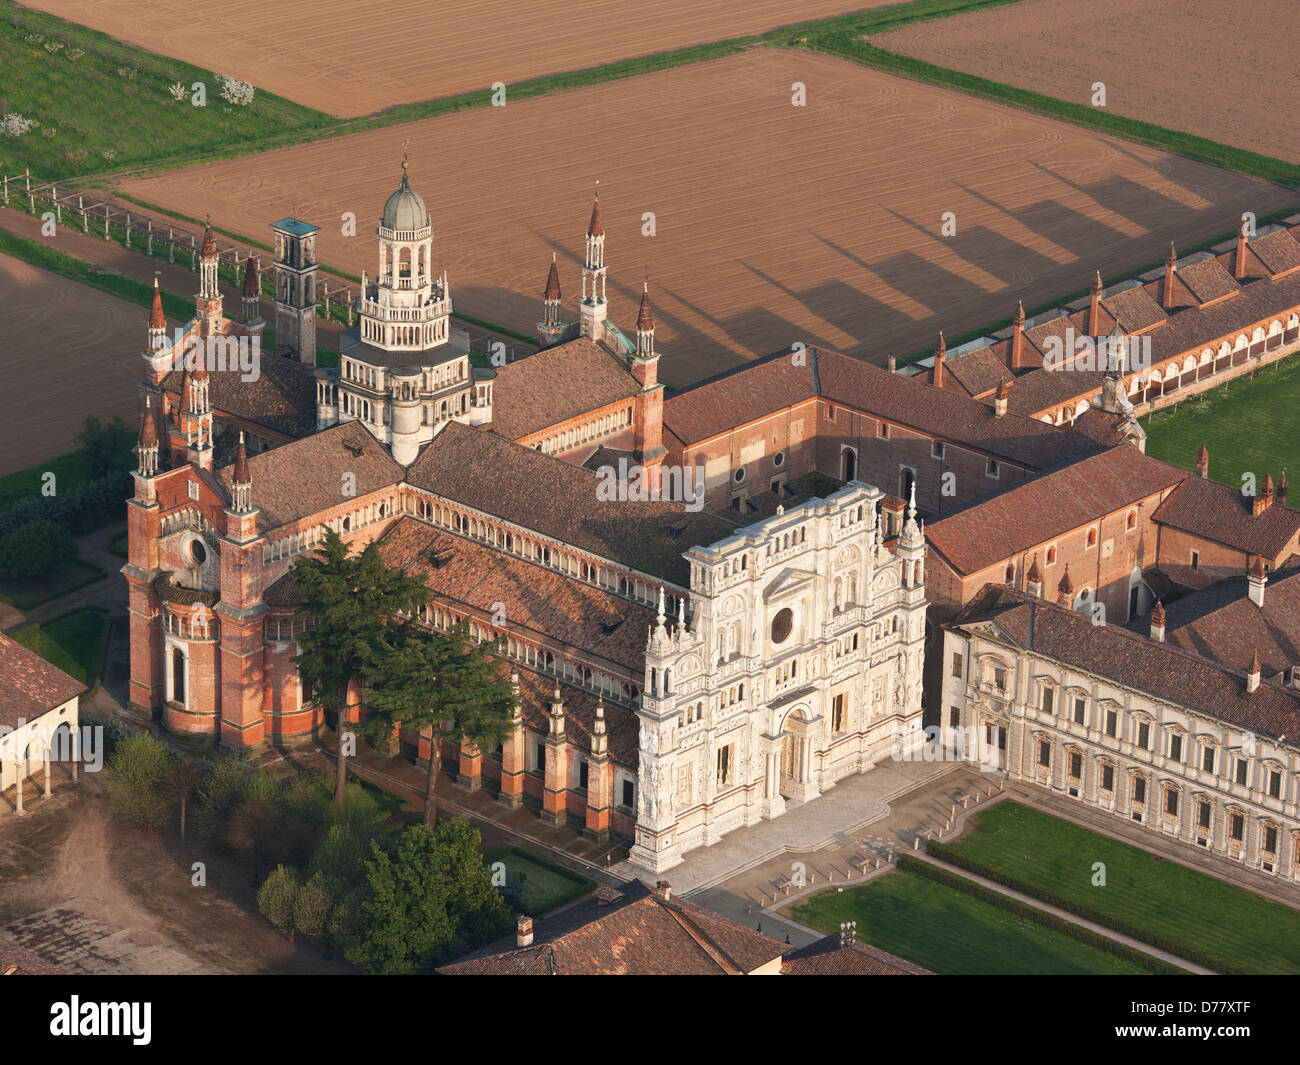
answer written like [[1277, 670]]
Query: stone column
[[514, 756], [20, 767]]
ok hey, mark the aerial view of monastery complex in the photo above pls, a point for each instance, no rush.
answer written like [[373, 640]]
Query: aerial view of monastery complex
[[538, 489]]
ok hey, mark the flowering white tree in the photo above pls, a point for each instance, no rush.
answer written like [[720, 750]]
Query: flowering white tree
[[15, 125], [239, 93]]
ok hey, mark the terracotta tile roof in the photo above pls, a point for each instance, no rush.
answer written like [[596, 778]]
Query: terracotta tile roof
[[633, 934], [553, 497], [828, 957], [1161, 670], [1220, 622], [978, 372], [535, 598], [645, 316], [1206, 280], [17, 960], [29, 685], [1046, 391], [157, 320], [556, 384], [1135, 309], [1105, 427], [283, 592], [594, 228], [1049, 506], [911, 402], [739, 396], [608, 456], [305, 477], [1220, 513], [283, 397], [170, 592], [1278, 252]]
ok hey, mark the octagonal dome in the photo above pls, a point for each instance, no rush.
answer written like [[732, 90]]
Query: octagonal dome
[[405, 209]]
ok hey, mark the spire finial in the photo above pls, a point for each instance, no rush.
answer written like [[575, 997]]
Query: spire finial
[[405, 144]]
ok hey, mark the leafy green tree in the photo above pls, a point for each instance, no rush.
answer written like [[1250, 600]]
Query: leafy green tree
[[233, 779], [36, 547], [447, 684], [353, 605], [105, 446], [312, 908], [277, 899], [429, 901], [138, 770]]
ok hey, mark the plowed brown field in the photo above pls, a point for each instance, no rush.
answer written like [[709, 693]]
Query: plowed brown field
[[349, 58], [67, 351], [1222, 69], [774, 223]]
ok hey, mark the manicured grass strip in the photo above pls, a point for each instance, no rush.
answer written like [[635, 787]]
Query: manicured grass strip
[[543, 884], [1249, 425], [1168, 905], [953, 932], [1141, 958], [28, 592], [57, 262], [77, 643], [109, 107]]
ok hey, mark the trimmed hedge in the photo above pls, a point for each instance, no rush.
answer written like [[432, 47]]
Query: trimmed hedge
[[911, 864], [1192, 954]]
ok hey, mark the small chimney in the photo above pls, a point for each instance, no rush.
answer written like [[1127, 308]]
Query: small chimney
[[1263, 500], [1252, 678], [940, 353], [1256, 582], [1158, 622], [1203, 462], [1239, 263], [1000, 400], [663, 890], [1167, 291], [892, 511], [1018, 339], [524, 931]]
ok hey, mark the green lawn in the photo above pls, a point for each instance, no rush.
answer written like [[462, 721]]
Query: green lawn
[[1248, 424], [542, 885], [118, 543], [76, 643], [1144, 895], [949, 932], [108, 108]]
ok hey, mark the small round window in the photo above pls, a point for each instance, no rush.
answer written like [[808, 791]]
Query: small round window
[[782, 624], [740, 475], [198, 553], [778, 459]]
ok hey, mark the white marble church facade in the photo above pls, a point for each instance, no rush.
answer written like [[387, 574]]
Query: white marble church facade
[[801, 664]]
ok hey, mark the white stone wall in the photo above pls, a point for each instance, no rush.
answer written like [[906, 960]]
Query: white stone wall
[[790, 619], [1020, 708]]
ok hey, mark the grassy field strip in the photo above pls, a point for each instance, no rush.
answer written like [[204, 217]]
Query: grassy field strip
[[1249, 425], [1164, 903], [954, 933], [76, 642]]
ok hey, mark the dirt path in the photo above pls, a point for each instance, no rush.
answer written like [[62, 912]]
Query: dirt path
[[100, 898]]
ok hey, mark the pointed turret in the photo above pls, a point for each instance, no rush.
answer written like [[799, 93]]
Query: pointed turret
[[1065, 589], [1255, 675], [645, 325], [592, 308], [1034, 578], [147, 451], [241, 481]]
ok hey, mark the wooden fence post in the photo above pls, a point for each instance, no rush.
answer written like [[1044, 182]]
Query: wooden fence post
[[171, 245], [106, 221], [128, 229]]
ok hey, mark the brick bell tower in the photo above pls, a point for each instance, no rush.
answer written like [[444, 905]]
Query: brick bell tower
[[593, 308], [295, 287], [144, 526], [644, 366]]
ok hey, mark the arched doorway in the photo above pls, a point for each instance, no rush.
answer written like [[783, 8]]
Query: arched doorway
[[848, 464], [906, 479], [795, 756]]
